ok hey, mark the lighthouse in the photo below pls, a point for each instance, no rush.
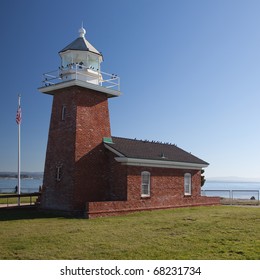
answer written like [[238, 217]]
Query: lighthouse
[[76, 170]]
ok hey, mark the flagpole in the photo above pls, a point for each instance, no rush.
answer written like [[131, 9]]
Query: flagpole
[[19, 153]]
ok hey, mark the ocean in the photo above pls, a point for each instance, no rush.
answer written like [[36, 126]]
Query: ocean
[[240, 190], [8, 185]]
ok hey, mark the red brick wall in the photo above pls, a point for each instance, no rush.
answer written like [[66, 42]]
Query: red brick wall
[[117, 178], [91, 163], [167, 191], [114, 208], [166, 183], [60, 150], [76, 144]]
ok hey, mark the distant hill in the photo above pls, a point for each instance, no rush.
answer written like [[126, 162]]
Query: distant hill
[[232, 179], [34, 175]]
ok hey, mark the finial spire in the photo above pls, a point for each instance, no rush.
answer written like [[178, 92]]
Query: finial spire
[[82, 31]]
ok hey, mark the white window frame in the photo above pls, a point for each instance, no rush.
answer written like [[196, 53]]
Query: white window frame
[[145, 184], [187, 184]]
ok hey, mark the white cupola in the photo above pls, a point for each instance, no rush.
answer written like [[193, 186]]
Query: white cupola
[[81, 61], [80, 66]]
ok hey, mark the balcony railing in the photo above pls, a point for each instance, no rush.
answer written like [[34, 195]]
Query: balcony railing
[[79, 72]]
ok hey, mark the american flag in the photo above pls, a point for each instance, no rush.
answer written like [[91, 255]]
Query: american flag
[[19, 115]]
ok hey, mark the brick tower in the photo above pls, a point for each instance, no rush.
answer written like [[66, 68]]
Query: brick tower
[[76, 169]]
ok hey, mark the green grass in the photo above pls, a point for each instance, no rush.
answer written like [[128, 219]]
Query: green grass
[[221, 232]]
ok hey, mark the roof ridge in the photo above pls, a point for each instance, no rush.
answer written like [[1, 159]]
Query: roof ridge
[[148, 141]]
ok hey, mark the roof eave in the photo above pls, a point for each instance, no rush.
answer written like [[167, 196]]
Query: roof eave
[[160, 163], [114, 150], [69, 50], [52, 88]]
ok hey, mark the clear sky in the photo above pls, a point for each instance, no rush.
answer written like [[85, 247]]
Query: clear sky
[[190, 74]]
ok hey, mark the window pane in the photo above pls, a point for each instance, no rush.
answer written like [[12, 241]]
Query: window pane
[[58, 173], [187, 183], [145, 187], [145, 178], [63, 112]]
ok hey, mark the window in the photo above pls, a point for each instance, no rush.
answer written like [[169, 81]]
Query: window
[[93, 61], [58, 173], [63, 112], [145, 184], [187, 184]]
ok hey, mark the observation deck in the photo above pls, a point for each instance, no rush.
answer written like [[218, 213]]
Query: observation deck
[[76, 74]]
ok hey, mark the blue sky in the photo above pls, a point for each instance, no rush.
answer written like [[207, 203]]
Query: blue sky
[[190, 74]]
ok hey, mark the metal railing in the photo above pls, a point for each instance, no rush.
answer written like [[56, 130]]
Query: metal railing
[[12, 199], [76, 71], [233, 198], [24, 190]]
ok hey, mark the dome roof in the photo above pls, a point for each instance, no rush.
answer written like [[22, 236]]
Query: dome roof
[[81, 44]]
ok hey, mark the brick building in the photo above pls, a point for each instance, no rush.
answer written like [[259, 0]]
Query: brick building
[[90, 173]]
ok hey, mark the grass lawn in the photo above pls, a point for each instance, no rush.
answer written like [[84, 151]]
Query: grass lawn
[[219, 232]]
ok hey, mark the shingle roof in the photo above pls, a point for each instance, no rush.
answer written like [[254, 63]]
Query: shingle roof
[[80, 44], [141, 149]]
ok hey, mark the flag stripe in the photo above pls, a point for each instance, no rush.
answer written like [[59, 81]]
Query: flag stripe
[[19, 115]]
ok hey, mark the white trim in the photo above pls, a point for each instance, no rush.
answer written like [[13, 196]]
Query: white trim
[[50, 89], [113, 150], [159, 163]]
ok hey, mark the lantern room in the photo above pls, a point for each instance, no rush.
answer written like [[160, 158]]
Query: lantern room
[[80, 65], [82, 59]]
